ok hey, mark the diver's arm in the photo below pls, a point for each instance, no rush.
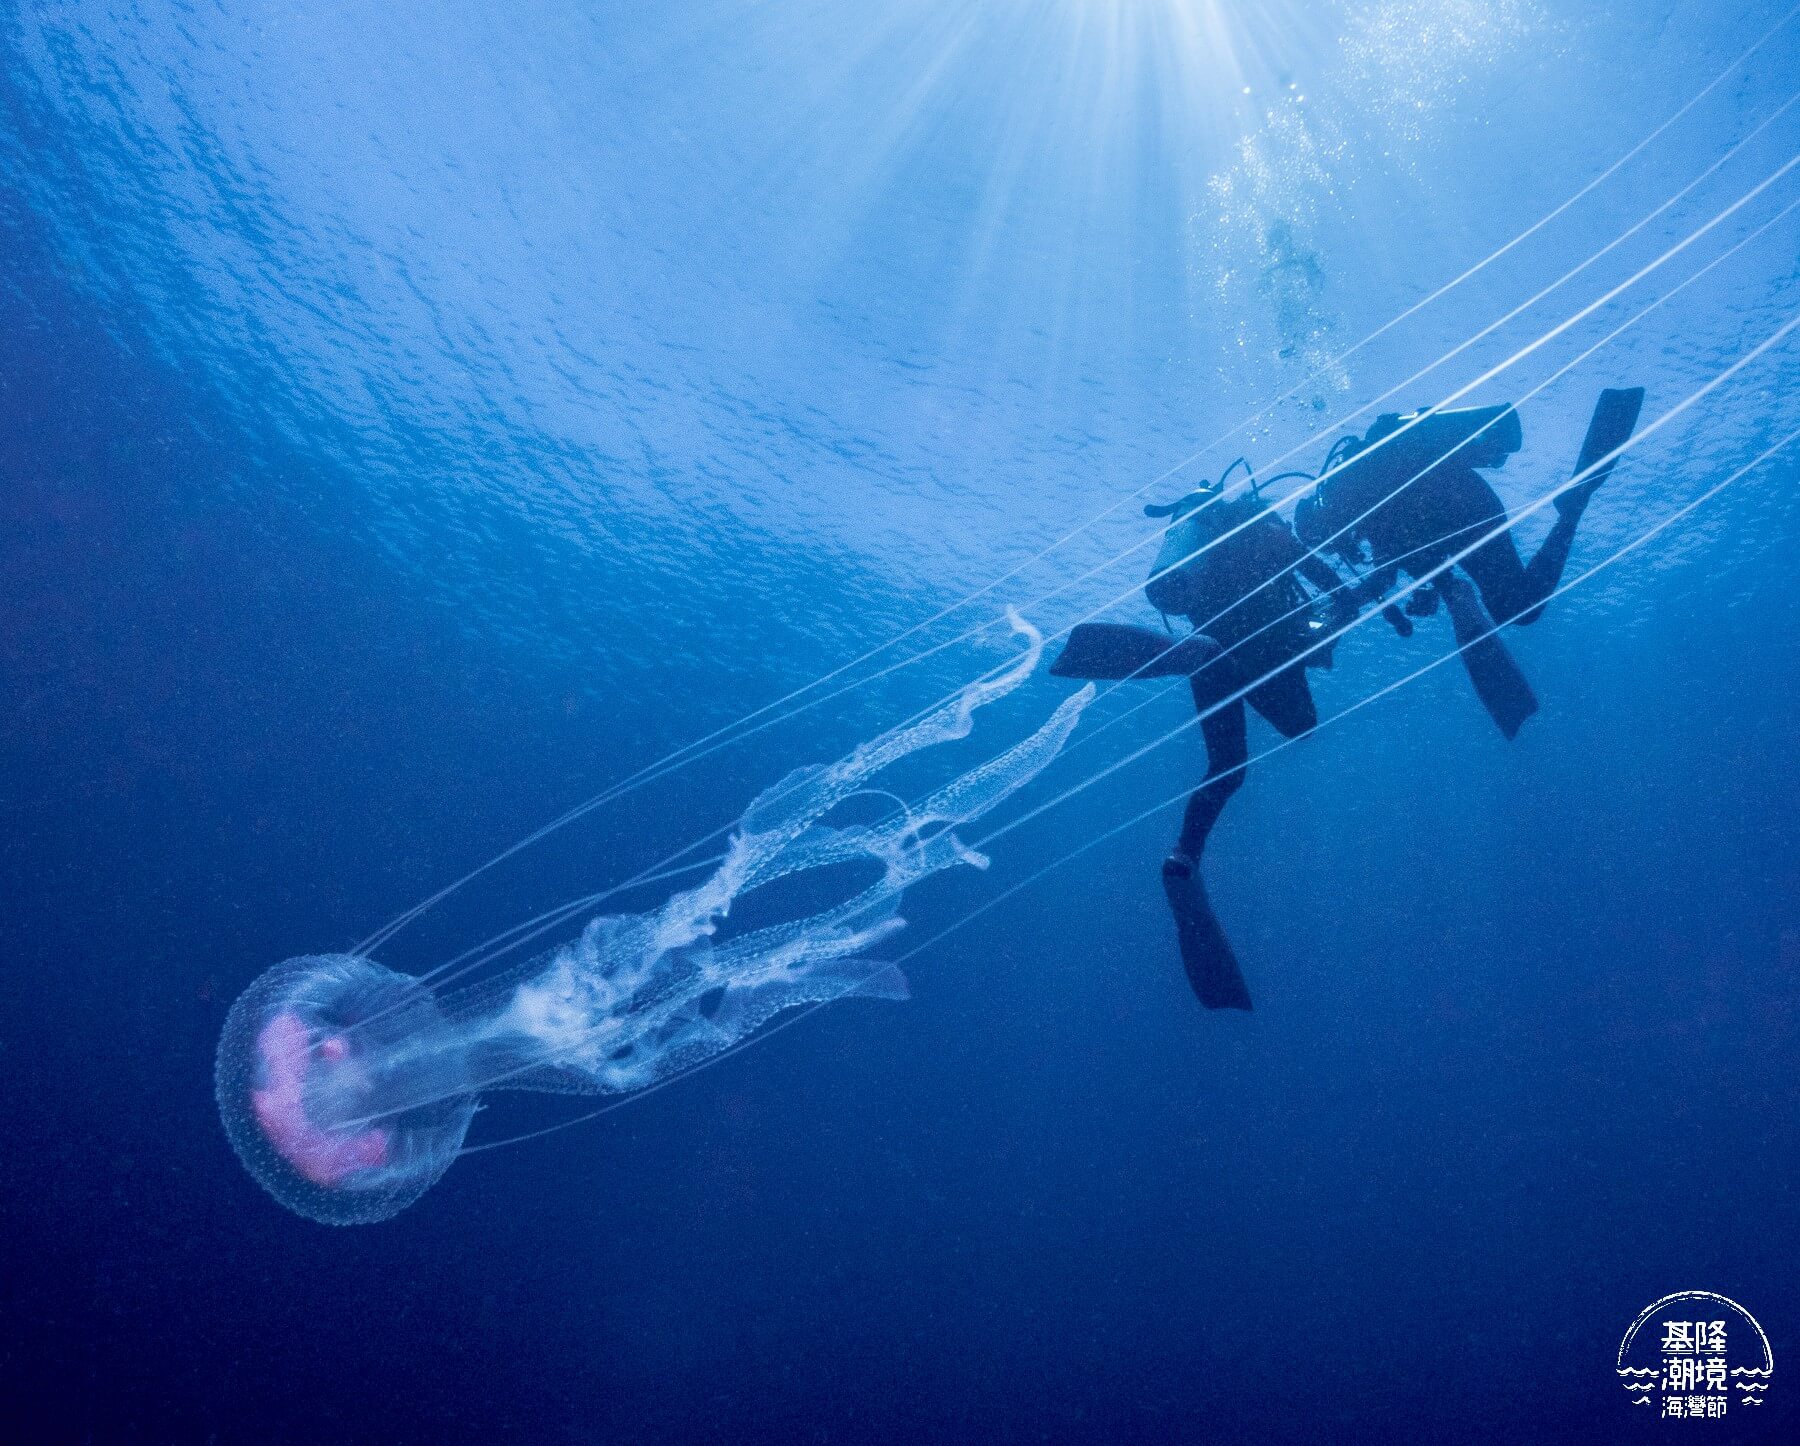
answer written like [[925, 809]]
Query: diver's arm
[[1325, 578], [1339, 597], [1377, 585]]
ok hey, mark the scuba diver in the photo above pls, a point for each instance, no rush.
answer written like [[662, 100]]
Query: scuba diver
[[1407, 497], [1404, 498], [1234, 569]]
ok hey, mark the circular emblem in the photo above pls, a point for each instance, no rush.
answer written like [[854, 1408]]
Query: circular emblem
[[1695, 1354]]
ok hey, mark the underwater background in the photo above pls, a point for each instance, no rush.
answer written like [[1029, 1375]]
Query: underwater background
[[415, 418]]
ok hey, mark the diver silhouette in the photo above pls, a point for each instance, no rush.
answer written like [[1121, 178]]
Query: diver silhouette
[[1235, 570], [1405, 498]]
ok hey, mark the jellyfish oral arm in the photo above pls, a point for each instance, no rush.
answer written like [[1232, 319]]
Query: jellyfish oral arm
[[635, 998]]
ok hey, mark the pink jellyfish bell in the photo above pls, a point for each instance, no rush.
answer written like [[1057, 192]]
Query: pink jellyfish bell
[[343, 1088]]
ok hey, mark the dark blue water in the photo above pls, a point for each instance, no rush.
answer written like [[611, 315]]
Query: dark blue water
[[410, 425]]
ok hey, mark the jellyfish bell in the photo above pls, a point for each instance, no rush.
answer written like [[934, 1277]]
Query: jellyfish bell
[[343, 1087]]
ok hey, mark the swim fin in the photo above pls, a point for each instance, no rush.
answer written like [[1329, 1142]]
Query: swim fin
[[1206, 954], [1111, 651], [1498, 682], [1615, 418]]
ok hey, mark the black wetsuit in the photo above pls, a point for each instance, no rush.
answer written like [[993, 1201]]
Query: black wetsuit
[[1252, 619], [1433, 518], [1235, 575]]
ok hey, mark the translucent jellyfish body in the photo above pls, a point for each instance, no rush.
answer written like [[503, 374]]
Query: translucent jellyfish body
[[342, 1087], [347, 1088]]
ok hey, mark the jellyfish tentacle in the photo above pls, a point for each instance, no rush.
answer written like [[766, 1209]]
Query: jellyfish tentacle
[[347, 1088]]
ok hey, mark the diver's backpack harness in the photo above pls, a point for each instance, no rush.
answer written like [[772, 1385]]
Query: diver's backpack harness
[[1200, 521]]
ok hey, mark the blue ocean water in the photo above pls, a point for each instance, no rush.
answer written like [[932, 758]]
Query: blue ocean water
[[418, 419]]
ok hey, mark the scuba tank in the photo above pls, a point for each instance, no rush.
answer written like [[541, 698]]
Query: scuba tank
[[1401, 447], [1201, 519], [1226, 565]]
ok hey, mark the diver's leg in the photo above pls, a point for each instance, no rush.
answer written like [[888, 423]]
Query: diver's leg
[[1227, 751], [1286, 701], [1615, 416], [1513, 591], [1212, 968], [1508, 589], [1544, 573], [1458, 510], [1206, 954]]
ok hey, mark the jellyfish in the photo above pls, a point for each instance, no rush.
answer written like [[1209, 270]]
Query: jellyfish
[[347, 1088]]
